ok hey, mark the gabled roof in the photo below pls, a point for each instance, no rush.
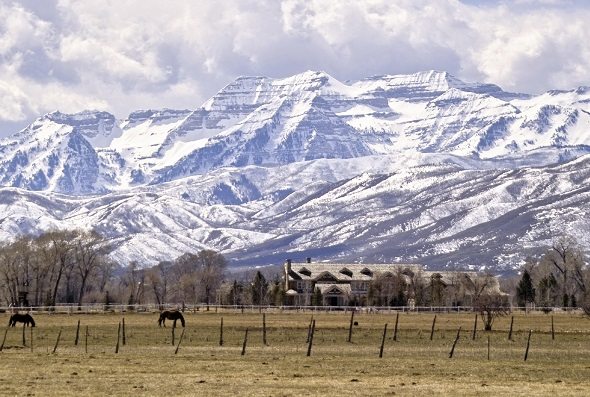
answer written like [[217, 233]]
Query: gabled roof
[[349, 271], [326, 276], [334, 289]]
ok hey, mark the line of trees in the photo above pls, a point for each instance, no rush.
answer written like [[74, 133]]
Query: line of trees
[[558, 278], [58, 266], [73, 267]]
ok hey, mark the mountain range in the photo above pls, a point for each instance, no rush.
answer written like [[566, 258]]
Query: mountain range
[[422, 168]]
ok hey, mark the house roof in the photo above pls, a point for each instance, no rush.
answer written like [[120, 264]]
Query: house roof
[[346, 271], [342, 274], [334, 289]]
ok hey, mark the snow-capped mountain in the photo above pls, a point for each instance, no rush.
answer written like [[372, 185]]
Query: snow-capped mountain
[[420, 167]]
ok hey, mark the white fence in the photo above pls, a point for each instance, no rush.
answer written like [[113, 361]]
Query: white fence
[[151, 308]]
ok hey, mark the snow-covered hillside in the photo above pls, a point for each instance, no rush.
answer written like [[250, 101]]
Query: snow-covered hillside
[[437, 210], [420, 167]]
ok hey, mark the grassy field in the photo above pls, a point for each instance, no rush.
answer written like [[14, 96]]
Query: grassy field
[[411, 365]]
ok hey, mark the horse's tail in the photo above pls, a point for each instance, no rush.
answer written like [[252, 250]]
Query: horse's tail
[[181, 318]]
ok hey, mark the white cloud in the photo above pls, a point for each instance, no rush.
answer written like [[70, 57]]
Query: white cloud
[[126, 55]]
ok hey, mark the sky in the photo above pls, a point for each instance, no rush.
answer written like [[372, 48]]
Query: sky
[[125, 55]]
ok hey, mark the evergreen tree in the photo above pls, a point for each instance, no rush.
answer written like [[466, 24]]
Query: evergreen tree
[[525, 292], [259, 289]]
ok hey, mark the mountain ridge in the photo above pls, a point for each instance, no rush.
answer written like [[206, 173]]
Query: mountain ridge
[[272, 167]]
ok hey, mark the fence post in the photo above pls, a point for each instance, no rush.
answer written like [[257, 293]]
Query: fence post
[[118, 338], [57, 341], [432, 329], [383, 341], [245, 341], [264, 329], [455, 343], [77, 334], [395, 328], [528, 344], [4, 340], [179, 341], [311, 338], [350, 327]]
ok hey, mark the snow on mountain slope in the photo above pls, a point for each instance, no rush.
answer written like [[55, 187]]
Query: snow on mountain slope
[[270, 122], [442, 215], [418, 167]]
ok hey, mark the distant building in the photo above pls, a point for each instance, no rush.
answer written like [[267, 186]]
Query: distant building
[[332, 284]]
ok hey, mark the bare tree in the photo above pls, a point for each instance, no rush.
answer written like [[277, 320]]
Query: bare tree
[[131, 282], [488, 300], [15, 270], [211, 266], [567, 259], [89, 249], [157, 278], [55, 249]]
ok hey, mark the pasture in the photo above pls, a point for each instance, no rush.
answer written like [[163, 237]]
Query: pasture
[[412, 364]]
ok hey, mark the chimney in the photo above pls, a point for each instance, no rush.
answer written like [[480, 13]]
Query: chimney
[[288, 265], [308, 259]]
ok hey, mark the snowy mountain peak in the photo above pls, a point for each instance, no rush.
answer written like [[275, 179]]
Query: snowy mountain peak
[[311, 115], [391, 167]]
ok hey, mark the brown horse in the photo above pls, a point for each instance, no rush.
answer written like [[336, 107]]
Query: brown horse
[[170, 315], [26, 319]]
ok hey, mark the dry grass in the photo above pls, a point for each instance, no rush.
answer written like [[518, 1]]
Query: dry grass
[[412, 365]]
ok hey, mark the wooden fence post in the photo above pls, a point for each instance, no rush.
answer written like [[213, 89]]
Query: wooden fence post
[[77, 334], [31, 334], [245, 341], [309, 329], [221, 332], [432, 329], [552, 329], [488, 348], [24, 337], [4, 340], [57, 341], [86, 341], [528, 344], [455, 343], [395, 328], [179, 342], [383, 341], [118, 338], [474, 327], [350, 326], [510, 332], [311, 338], [123, 331], [264, 329]]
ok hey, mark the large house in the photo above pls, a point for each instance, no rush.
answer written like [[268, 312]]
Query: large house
[[332, 284]]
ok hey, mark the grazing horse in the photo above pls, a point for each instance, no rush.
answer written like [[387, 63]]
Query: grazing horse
[[26, 319], [170, 315]]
